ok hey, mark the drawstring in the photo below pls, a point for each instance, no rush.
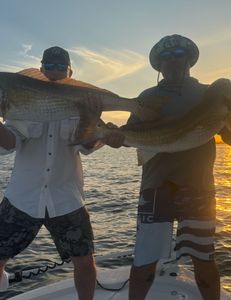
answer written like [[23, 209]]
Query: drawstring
[[158, 78]]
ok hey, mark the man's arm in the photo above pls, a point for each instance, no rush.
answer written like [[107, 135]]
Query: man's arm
[[7, 138], [114, 139]]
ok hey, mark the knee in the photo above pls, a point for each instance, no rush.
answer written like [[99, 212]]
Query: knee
[[83, 262], [144, 273]]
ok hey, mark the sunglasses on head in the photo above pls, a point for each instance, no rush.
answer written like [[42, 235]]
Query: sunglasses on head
[[52, 67], [176, 53]]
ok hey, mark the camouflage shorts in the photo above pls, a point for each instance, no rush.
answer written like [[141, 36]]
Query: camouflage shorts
[[72, 233]]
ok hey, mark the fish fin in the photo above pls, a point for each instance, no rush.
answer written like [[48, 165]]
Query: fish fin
[[144, 156]]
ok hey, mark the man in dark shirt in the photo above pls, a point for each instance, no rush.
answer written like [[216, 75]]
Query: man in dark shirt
[[176, 186]]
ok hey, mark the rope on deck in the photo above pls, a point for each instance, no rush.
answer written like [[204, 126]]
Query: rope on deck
[[29, 273]]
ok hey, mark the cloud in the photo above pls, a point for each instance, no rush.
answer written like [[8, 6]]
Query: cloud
[[8, 68], [25, 52], [24, 60], [107, 65], [26, 49], [99, 67], [215, 39], [212, 75]]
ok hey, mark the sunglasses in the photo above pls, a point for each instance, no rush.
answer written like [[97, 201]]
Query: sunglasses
[[176, 53], [52, 67]]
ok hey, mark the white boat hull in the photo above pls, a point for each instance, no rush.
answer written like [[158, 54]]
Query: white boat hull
[[166, 287]]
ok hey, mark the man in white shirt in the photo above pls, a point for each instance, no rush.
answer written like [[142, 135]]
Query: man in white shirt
[[46, 186]]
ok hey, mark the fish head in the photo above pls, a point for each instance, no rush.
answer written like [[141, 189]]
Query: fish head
[[101, 129], [90, 132], [96, 131]]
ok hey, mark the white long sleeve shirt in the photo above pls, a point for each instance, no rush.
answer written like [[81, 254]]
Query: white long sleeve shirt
[[47, 172]]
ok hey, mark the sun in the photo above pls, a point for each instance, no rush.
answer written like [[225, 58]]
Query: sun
[[218, 139]]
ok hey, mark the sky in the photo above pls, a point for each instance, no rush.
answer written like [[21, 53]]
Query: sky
[[109, 40]]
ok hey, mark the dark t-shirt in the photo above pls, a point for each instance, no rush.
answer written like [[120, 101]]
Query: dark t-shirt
[[194, 167]]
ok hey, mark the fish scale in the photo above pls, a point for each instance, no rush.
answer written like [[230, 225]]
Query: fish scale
[[25, 98], [193, 129], [40, 108], [30, 99]]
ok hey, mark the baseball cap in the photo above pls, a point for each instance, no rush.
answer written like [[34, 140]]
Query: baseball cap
[[56, 55]]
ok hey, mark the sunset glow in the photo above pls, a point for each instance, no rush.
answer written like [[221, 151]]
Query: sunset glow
[[109, 41], [109, 44]]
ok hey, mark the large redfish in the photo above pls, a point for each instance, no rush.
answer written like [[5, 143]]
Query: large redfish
[[27, 98], [191, 130]]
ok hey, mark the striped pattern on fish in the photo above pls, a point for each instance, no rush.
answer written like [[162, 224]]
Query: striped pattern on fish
[[193, 129], [27, 98]]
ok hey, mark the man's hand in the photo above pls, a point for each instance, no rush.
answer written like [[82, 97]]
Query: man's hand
[[114, 139], [93, 103]]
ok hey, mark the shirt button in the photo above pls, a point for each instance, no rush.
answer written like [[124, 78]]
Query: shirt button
[[49, 153], [50, 135], [45, 186], [48, 170]]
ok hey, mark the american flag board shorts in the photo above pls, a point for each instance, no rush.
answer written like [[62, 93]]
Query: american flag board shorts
[[195, 213]]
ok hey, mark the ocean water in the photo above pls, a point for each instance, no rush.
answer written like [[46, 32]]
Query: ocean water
[[112, 180]]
